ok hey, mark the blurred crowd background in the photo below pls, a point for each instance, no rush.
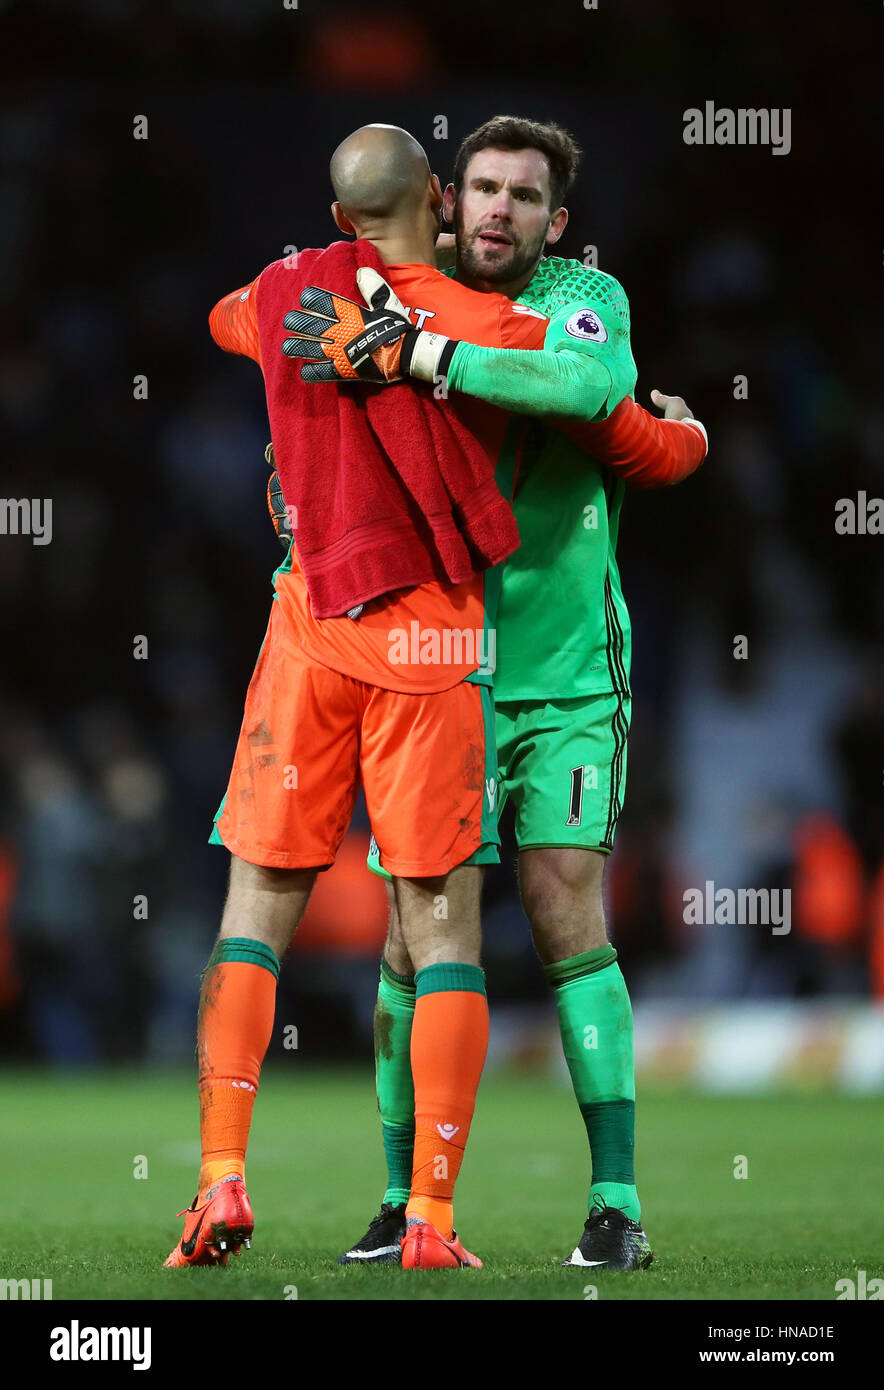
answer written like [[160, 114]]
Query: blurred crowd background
[[758, 772]]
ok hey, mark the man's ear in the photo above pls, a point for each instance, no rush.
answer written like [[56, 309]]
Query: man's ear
[[449, 201], [558, 223], [435, 193], [342, 221]]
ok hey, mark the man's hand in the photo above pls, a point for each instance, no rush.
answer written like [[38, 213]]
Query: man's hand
[[279, 512], [344, 341], [673, 407], [423, 355]]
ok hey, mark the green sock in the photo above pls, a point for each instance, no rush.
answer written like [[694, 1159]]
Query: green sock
[[595, 1018], [393, 1017], [244, 948]]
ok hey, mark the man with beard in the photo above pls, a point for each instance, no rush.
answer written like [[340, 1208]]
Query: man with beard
[[562, 693]]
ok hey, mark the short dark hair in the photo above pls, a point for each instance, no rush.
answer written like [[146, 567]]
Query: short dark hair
[[560, 149]]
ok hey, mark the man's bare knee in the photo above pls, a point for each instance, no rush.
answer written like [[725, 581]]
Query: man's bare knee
[[265, 904], [440, 917], [395, 949], [561, 892]]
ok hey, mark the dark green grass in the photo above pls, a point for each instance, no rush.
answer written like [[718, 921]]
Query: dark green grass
[[808, 1214]]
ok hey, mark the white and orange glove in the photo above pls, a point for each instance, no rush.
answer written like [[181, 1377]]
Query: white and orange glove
[[346, 341]]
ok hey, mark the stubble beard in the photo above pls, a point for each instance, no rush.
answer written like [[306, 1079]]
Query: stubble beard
[[472, 266]]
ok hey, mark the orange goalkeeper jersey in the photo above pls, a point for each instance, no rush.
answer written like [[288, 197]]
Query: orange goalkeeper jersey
[[428, 638]]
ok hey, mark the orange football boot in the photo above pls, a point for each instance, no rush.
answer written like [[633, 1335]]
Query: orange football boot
[[218, 1226], [424, 1247]]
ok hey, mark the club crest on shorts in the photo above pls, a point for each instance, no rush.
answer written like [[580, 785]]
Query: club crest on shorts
[[586, 324]]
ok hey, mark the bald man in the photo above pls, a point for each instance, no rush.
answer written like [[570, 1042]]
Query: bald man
[[380, 175]]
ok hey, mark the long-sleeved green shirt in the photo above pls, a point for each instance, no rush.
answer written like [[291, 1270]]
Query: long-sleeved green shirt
[[562, 627], [585, 367]]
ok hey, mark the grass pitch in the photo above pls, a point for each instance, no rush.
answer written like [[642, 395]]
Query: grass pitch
[[808, 1214]]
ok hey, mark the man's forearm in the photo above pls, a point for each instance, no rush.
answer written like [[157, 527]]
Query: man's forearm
[[573, 386], [640, 447]]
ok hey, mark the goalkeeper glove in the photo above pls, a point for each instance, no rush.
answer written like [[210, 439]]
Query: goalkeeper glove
[[347, 342], [279, 513]]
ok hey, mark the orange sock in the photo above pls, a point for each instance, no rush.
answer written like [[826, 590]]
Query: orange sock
[[449, 1039], [237, 1004]]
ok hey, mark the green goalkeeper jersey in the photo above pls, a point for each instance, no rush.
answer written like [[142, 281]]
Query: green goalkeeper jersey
[[562, 624]]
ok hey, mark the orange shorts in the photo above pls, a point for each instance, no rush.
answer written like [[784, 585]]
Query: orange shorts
[[310, 735]]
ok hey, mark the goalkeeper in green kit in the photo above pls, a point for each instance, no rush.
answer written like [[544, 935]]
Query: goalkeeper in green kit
[[561, 682]]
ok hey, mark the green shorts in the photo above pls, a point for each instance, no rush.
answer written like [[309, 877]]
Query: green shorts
[[562, 763]]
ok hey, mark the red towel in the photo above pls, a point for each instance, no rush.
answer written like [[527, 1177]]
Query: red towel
[[392, 489]]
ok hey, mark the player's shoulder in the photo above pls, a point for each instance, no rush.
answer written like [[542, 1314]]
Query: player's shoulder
[[302, 259], [558, 284]]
